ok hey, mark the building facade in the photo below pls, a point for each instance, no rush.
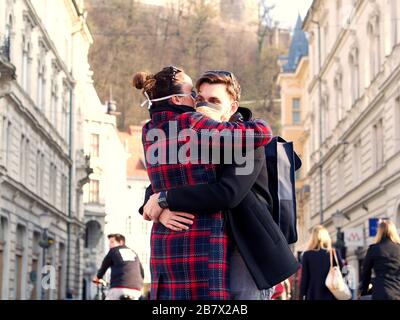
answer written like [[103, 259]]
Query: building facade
[[43, 61], [354, 127]]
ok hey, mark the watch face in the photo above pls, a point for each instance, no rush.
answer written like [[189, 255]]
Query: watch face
[[163, 203]]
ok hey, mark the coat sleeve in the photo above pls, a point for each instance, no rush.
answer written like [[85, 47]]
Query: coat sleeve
[[225, 194], [107, 262], [366, 272], [305, 277]]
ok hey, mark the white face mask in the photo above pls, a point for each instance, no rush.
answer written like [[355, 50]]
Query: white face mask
[[150, 101]]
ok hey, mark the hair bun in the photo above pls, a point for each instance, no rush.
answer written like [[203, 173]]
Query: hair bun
[[139, 79]]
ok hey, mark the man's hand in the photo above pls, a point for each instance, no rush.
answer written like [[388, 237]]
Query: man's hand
[[152, 209], [174, 220]]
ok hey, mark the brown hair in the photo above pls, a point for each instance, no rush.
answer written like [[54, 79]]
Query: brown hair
[[221, 77], [161, 84], [118, 237]]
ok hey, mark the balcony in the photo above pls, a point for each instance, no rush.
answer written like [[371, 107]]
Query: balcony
[[7, 70]]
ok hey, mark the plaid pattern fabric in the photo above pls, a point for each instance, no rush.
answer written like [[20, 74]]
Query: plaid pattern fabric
[[192, 264]]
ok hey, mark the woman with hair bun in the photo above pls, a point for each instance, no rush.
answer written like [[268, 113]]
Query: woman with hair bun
[[191, 264]]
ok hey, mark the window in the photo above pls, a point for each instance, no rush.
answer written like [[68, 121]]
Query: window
[[339, 95], [7, 39], [339, 18], [41, 88], [374, 40], [325, 41], [328, 188], [325, 118], [53, 183], [54, 104], [341, 185], [94, 191], [65, 119], [357, 162], [19, 260], [3, 230], [24, 158], [6, 145], [25, 68], [64, 192], [378, 144], [60, 278], [94, 145], [397, 123], [296, 111], [394, 22], [354, 76], [39, 172]]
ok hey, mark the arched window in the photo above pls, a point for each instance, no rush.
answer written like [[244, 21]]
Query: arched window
[[93, 234]]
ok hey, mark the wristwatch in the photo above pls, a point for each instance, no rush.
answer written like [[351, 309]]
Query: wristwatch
[[162, 200]]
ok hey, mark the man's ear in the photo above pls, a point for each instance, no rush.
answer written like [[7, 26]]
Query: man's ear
[[175, 100], [234, 107]]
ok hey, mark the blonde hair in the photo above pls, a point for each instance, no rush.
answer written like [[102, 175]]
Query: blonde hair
[[387, 230], [320, 239]]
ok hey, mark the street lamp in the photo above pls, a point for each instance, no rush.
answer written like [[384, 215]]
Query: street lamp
[[45, 242], [339, 220]]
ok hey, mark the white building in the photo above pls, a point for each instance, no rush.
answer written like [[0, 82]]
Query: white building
[[354, 94], [43, 62], [106, 201], [138, 230]]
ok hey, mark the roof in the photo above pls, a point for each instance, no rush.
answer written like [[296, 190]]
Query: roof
[[132, 140], [298, 48]]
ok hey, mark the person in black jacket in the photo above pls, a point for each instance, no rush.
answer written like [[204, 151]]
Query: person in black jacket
[[126, 270], [315, 266], [262, 257], [384, 258]]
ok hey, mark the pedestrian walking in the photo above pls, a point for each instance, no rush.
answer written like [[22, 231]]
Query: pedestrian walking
[[316, 265], [383, 258]]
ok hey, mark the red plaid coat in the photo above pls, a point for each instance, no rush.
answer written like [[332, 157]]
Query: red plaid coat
[[192, 264]]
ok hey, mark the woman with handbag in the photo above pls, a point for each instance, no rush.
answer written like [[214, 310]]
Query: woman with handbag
[[384, 258], [317, 263]]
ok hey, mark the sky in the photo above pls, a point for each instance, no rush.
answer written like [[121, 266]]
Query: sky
[[286, 11]]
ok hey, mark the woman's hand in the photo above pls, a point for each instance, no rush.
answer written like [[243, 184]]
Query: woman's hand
[[176, 220], [152, 210]]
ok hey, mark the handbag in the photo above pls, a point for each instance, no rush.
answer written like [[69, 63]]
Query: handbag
[[282, 163], [335, 281]]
